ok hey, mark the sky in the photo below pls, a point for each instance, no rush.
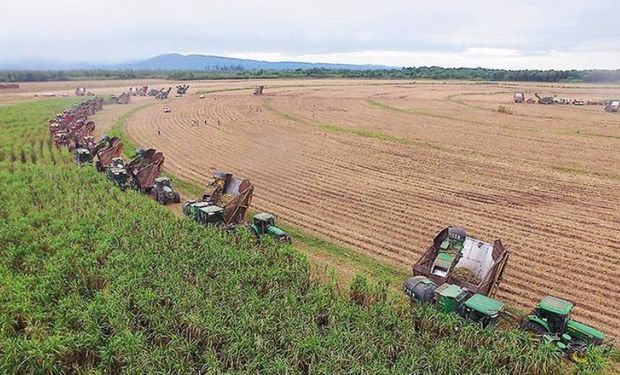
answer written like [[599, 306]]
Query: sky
[[582, 34]]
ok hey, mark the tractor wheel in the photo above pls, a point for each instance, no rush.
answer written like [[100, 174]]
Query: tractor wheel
[[255, 235], [533, 328], [577, 351], [578, 356]]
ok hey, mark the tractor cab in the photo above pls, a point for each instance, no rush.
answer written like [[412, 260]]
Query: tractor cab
[[163, 183], [264, 224], [204, 212], [117, 163], [163, 192], [482, 309], [555, 311], [83, 156], [192, 208], [119, 176], [450, 247], [449, 297], [211, 215]]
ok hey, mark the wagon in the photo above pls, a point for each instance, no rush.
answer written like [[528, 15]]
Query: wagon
[[452, 249]]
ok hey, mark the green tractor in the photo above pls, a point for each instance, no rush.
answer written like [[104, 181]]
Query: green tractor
[[204, 212], [163, 192], [83, 157], [264, 224], [117, 173], [551, 320], [450, 298]]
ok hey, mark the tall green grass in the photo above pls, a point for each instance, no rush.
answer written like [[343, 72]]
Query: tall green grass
[[93, 279]]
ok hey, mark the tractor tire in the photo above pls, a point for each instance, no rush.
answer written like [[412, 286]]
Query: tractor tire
[[286, 240], [578, 356], [156, 196], [577, 351], [255, 235], [533, 328]]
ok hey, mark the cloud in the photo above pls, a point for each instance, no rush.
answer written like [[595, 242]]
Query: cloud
[[475, 33]]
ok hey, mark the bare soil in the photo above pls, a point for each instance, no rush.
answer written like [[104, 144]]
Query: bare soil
[[382, 166]]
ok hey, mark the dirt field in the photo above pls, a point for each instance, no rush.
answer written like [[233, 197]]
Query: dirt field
[[381, 166]]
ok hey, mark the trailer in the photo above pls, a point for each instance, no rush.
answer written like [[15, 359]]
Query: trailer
[[456, 258], [231, 193]]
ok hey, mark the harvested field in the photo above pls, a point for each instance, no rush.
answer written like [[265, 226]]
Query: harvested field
[[381, 166]]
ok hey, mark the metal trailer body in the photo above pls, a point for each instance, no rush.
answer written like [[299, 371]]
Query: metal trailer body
[[224, 185], [452, 248]]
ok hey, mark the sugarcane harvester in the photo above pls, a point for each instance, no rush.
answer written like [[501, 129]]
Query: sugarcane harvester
[[450, 298], [454, 257], [144, 168], [107, 149], [182, 89]]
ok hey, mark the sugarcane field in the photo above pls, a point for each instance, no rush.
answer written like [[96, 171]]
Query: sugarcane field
[[386, 212]]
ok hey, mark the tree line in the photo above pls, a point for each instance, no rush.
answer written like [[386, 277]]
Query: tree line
[[432, 72]]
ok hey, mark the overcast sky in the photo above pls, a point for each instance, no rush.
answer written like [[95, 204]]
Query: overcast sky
[[500, 34]]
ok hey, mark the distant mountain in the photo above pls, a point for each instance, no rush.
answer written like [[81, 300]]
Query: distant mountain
[[176, 61]]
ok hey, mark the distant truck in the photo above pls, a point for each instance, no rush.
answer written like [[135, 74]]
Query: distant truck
[[519, 97], [612, 106], [454, 257]]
